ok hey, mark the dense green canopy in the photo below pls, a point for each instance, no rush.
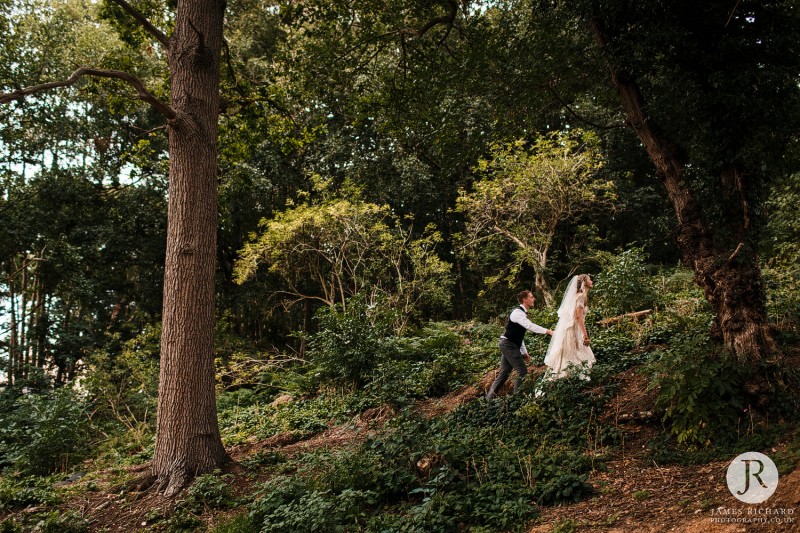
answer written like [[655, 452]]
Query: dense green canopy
[[402, 100]]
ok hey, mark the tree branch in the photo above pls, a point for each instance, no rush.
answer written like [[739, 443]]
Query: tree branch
[[572, 112], [137, 84], [510, 236], [448, 20], [155, 32]]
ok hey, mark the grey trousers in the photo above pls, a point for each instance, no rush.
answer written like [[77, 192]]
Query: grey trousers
[[510, 359]]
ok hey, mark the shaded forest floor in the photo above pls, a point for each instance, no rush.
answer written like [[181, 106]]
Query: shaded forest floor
[[631, 490]]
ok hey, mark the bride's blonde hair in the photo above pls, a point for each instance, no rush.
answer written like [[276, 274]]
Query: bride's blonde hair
[[582, 281]]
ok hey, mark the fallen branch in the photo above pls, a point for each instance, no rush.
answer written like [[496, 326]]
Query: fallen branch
[[620, 318]]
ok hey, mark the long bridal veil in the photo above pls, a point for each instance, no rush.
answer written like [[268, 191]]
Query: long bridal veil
[[566, 321]]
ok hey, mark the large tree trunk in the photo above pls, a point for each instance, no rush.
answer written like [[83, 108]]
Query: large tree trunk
[[729, 275], [188, 441]]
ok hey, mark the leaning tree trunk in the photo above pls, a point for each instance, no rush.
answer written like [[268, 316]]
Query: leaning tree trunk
[[730, 276], [188, 440]]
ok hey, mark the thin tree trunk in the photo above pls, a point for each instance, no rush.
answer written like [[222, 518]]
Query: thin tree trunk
[[22, 345], [62, 362], [188, 441], [12, 339], [306, 325], [41, 329], [33, 335], [729, 276], [541, 281], [41, 317]]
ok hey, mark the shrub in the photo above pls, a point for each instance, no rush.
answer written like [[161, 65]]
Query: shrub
[[10, 525], [433, 363], [44, 433], [123, 387], [59, 522], [611, 347], [625, 285], [289, 505], [240, 523], [210, 491], [183, 520], [700, 387], [783, 293], [18, 492], [349, 343]]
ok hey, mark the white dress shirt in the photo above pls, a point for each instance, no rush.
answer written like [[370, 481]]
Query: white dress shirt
[[520, 317]]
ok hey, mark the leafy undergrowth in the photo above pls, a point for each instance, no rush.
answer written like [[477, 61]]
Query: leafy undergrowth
[[617, 452]]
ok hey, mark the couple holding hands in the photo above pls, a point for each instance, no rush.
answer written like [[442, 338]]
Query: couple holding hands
[[569, 342]]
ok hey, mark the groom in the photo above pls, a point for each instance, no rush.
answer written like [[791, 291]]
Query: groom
[[513, 354]]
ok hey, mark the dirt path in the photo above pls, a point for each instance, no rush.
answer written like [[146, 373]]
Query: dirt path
[[636, 494]]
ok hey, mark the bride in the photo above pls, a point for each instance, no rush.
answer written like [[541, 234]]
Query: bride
[[569, 346]]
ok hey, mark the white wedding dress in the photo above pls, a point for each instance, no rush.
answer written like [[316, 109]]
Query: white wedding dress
[[567, 354]]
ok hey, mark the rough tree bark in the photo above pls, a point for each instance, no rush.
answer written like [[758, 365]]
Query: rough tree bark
[[188, 440], [729, 276]]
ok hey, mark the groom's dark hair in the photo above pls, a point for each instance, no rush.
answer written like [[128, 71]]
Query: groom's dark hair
[[521, 296]]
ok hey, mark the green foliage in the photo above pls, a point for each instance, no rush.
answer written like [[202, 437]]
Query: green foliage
[[342, 247], [183, 520], [240, 523], [356, 346], [782, 283], [663, 450], [44, 433], [210, 491], [63, 522], [567, 413], [288, 506], [350, 341], [611, 347], [485, 465], [10, 525], [700, 387], [262, 459], [124, 387], [431, 363], [526, 194], [17, 492], [624, 285], [57, 521], [782, 252], [254, 417]]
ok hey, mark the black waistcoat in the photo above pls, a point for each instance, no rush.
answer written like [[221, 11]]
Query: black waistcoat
[[514, 332]]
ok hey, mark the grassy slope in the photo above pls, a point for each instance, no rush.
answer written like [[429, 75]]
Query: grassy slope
[[608, 432]]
